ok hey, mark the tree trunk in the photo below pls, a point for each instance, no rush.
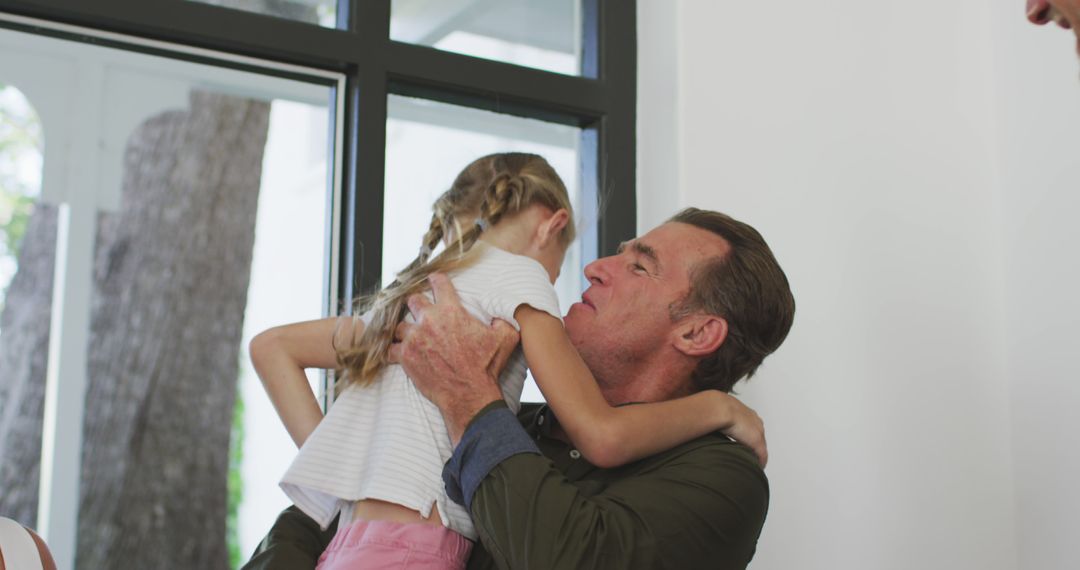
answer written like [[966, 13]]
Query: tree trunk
[[170, 286], [172, 278], [24, 348]]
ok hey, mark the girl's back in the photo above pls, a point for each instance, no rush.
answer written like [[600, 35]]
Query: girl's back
[[385, 441]]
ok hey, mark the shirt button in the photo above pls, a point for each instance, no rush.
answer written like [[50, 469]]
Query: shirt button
[[540, 420], [575, 454]]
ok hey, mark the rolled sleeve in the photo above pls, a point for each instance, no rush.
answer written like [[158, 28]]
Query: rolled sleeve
[[493, 436]]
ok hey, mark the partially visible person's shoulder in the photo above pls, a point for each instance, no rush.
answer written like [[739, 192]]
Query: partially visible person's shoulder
[[511, 269], [503, 281], [491, 259], [705, 501], [720, 444], [713, 453], [497, 270]]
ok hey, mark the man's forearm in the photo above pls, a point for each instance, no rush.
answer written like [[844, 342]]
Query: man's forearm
[[491, 436], [459, 413]]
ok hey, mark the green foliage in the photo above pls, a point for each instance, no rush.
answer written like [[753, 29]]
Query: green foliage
[[15, 213], [235, 482], [20, 144]]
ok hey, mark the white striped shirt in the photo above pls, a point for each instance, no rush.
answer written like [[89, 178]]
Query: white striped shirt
[[386, 441]]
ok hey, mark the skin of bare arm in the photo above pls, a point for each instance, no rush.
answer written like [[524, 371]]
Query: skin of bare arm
[[609, 436], [280, 356]]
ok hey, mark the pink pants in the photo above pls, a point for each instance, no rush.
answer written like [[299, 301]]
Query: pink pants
[[385, 545]]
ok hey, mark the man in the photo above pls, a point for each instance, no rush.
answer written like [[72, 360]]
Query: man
[[695, 304], [1066, 13]]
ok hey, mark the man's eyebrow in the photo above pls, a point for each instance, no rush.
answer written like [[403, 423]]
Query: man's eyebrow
[[642, 249]]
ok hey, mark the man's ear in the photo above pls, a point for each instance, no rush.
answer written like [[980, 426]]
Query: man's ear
[[550, 228], [701, 335]]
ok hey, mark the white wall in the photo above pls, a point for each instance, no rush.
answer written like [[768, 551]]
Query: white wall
[[886, 152], [658, 119], [1039, 106]]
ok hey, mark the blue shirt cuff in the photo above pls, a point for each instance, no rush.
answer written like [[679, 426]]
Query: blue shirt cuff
[[493, 436]]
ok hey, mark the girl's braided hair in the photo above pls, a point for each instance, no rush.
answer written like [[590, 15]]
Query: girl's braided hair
[[491, 188]]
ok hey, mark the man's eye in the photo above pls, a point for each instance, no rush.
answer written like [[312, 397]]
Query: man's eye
[[638, 267]]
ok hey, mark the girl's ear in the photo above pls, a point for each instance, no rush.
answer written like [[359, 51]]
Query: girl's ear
[[551, 228], [701, 335]]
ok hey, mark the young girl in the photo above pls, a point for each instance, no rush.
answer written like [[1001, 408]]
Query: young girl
[[377, 457]]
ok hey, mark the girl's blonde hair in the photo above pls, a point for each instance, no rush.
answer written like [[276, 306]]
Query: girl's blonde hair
[[491, 188]]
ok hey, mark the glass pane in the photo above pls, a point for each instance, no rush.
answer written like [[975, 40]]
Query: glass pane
[[288, 284], [443, 139], [320, 12], [206, 191], [22, 148], [27, 258], [545, 34]]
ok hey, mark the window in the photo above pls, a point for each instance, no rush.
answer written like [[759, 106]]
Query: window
[[27, 254], [365, 90], [493, 29], [318, 12], [448, 137], [23, 147], [177, 197]]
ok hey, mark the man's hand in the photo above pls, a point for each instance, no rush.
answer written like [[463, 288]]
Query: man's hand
[[452, 358], [745, 427]]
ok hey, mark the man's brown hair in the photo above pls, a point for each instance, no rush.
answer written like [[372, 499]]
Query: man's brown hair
[[746, 288]]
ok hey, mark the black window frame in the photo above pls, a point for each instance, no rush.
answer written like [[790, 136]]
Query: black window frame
[[602, 101]]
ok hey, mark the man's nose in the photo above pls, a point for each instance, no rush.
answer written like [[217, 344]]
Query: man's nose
[[1038, 11], [596, 272]]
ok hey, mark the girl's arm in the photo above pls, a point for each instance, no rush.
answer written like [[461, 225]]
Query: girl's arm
[[280, 356], [606, 435]]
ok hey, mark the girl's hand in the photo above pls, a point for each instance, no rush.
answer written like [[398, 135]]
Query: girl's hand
[[745, 426]]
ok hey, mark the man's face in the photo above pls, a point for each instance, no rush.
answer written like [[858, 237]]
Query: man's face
[[1066, 13], [624, 316]]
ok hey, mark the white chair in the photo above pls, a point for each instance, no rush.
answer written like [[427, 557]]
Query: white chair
[[22, 549]]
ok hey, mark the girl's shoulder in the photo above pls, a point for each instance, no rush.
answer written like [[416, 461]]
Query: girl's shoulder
[[501, 281], [491, 257]]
